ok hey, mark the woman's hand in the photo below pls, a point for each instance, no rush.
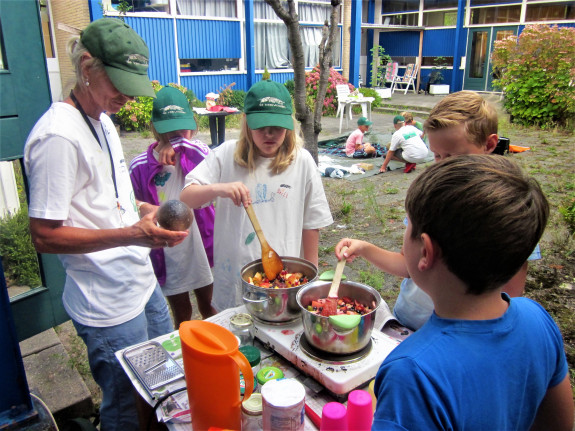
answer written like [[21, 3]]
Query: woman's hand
[[147, 233]]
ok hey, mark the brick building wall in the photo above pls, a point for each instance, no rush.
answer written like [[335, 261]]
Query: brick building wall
[[73, 13]]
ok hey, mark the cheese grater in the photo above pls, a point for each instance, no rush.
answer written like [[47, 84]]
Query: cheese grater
[[153, 366]]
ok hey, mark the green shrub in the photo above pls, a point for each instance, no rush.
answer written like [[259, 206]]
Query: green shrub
[[370, 92], [535, 70], [18, 254], [290, 85], [568, 213]]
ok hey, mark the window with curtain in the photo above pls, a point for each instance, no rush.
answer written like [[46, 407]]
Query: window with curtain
[[272, 48], [207, 8]]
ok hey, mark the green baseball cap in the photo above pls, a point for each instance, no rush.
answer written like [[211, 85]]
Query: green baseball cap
[[398, 119], [362, 121], [171, 111], [268, 103], [124, 54]]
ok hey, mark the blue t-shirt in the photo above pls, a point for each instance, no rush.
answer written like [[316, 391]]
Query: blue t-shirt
[[472, 375]]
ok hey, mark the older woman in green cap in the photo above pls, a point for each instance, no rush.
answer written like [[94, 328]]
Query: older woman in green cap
[[82, 207]]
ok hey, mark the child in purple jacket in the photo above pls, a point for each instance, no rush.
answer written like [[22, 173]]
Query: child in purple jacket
[[158, 176]]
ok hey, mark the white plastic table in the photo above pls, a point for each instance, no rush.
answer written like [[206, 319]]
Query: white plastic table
[[365, 103]]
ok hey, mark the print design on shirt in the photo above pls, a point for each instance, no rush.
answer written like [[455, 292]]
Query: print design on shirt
[[283, 190], [409, 135], [161, 178], [250, 238], [262, 194]]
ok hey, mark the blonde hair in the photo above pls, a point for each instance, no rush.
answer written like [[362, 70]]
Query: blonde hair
[[76, 51], [246, 152], [408, 117], [467, 108]]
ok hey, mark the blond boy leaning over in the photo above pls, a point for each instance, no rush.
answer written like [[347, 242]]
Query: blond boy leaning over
[[461, 123]]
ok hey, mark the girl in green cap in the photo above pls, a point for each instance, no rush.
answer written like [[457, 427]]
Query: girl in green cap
[[158, 176], [268, 168]]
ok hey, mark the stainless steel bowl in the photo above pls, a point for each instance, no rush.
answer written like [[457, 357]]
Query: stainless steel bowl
[[323, 333], [275, 305]]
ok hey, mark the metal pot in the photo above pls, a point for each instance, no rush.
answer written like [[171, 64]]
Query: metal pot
[[275, 305], [323, 333]]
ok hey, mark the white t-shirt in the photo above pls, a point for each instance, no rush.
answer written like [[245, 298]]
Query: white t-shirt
[[71, 180], [408, 138], [187, 266], [285, 204]]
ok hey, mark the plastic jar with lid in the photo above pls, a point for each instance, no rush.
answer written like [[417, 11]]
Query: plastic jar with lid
[[269, 373], [242, 325], [252, 413], [253, 355]]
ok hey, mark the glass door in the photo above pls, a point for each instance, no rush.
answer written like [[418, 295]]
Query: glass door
[[476, 67], [478, 70]]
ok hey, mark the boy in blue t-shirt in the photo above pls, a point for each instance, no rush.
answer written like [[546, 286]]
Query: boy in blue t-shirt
[[451, 373]]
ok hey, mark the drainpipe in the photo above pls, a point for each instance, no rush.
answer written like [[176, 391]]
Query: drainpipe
[[455, 74], [250, 44]]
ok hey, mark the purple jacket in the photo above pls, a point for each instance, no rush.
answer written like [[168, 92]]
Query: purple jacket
[[144, 168]]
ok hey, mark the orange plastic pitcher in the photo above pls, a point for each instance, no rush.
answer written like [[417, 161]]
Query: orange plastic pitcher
[[212, 364]]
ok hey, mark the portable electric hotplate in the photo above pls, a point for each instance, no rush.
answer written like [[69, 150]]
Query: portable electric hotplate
[[339, 374]]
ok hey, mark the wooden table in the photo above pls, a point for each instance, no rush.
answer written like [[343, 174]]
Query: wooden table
[[217, 123]]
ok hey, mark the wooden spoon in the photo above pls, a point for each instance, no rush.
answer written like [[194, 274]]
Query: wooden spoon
[[330, 306], [271, 261]]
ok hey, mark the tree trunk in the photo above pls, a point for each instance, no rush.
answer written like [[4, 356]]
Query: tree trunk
[[310, 122]]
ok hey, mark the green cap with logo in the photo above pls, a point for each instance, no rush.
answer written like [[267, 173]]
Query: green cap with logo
[[362, 121], [171, 111], [124, 54], [268, 103], [398, 119]]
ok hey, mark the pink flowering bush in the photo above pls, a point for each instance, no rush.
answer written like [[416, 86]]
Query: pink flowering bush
[[537, 73], [312, 83]]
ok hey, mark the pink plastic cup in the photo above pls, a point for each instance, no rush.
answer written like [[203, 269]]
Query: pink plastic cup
[[359, 411], [333, 417]]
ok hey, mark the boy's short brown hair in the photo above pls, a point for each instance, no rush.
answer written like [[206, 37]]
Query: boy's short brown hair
[[483, 212], [468, 108]]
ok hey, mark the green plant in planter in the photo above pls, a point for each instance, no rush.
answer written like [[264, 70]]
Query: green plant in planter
[[436, 75], [380, 60]]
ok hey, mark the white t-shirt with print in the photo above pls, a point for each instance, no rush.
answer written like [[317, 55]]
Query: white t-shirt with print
[[408, 138], [71, 180], [284, 204], [187, 266]]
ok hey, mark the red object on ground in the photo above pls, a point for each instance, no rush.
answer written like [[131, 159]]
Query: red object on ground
[[409, 167]]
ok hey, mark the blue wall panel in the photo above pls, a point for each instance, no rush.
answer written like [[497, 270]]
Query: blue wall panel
[[438, 42], [400, 43], [209, 39], [159, 35]]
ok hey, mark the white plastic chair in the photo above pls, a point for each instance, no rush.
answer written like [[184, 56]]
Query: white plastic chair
[[408, 78]]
